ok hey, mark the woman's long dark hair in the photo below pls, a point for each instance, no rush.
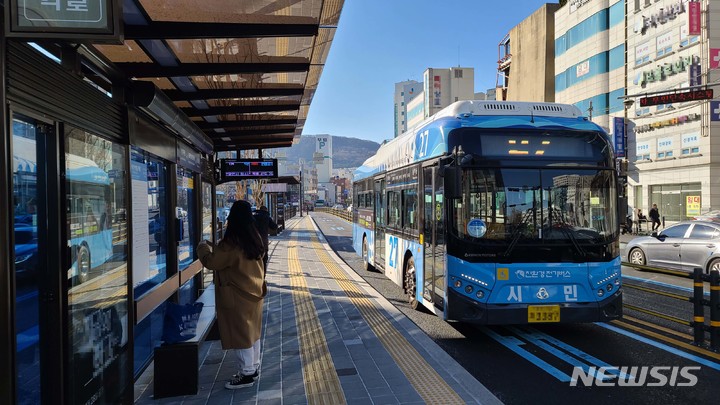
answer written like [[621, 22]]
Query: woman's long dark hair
[[241, 231]]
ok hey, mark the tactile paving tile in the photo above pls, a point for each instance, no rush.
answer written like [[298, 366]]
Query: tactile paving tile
[[322, 385], [426, 381]]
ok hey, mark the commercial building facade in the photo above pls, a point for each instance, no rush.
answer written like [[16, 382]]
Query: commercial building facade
[[673, 159]]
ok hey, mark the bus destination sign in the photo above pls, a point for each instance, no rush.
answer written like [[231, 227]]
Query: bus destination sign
[[244, 169], [682, 97]]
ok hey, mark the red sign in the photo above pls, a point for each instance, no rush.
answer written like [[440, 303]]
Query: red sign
[[691, 95], [694, 18]]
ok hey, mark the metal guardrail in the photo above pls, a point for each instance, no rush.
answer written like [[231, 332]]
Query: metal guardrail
[[344, 214], [697, 299]]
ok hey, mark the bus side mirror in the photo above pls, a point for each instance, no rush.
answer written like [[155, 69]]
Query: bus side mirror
[[452, 182]]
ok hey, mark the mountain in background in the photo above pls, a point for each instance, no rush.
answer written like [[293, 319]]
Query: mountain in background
[[347, 152]]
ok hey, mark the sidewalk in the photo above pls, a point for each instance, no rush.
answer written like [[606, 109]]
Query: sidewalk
[[329, 338]]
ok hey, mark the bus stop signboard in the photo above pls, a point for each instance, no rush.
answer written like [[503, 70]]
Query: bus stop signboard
[[96, 20]]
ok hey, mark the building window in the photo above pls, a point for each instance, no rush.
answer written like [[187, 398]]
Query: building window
[[671, 199], [661, 155], [640, 158], [664, 51], [689, 41], [458, 73]]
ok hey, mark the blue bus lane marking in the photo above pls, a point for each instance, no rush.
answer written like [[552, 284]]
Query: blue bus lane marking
[[661, 346], [563, 351], [548, 343], [513, 343]]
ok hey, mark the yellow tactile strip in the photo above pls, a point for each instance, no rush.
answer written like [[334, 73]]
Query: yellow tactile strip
[[322, 385], [426, 381]]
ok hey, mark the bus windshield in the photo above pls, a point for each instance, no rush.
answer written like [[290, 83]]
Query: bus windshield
[[537, 206]]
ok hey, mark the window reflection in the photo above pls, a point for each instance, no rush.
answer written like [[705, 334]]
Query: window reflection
[[25, 135], [185, 216], [97, 239], [150, 203]]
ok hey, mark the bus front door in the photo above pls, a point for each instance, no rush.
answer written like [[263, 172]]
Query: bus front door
[[380, 224], [433, 274]]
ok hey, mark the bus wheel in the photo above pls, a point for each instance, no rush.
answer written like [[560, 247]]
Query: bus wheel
[[83, 264], [410, 287], [366, 255]]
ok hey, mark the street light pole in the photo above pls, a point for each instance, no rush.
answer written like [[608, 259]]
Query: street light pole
[[301, 199]]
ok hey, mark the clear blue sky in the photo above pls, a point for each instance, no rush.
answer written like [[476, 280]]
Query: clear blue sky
[[381, 42]]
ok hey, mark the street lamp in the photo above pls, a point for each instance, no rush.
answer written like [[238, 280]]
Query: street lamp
[[301, 198]]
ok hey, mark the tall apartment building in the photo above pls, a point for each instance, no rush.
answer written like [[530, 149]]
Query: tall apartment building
[[590, 58], [526, 60], [671, 151], [404, 92], [440, 88]]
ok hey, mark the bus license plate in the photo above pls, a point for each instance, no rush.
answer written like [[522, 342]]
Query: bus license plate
[[543, 313]]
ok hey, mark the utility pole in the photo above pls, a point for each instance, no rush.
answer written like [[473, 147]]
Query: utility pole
[[590, 110], [301, 199]]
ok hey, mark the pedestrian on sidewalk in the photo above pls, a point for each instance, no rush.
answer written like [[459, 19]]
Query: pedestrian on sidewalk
[[265, 224], [239, 290], [654, 217]]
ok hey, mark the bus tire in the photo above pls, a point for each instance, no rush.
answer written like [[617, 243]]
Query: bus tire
[[409, 282], [83, 264], [366, 255]]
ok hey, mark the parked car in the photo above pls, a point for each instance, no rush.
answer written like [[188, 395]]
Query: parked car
[[712, 216], [339, 206], [683, 246]]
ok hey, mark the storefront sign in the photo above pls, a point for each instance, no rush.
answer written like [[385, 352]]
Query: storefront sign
[[576, 4], [664, 144], [99, 20], [694, 18], [695, 75], [665, 70], [679, 97], [641, 52], [661, 16], [715, 111], [714, 58], [664, 40], [437, 91], [619, 130], [582, 68], [689, 140], [681, 119], [692, 205], [642, 148]]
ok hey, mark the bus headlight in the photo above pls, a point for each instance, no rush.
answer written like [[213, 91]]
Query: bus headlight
[[601, 292], [468, 289], [609, 287], [480, 294], [458, 283]]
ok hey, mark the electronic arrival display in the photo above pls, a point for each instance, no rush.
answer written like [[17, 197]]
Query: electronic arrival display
[[244, 169], [691, 95]]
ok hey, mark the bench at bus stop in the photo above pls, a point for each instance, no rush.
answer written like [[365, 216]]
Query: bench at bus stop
[[176, 365]]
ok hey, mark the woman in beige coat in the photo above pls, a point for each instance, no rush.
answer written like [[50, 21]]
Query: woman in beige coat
[[239, 290]]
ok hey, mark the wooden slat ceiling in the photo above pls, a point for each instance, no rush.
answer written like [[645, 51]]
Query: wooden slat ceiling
[[245, 72]]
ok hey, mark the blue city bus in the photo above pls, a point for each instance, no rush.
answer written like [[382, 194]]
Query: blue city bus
[[496, 213]]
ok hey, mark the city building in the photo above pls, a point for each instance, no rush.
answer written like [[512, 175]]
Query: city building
[[526, 59], [670, 147], [442, 87], [590, 58], [404, 92]]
